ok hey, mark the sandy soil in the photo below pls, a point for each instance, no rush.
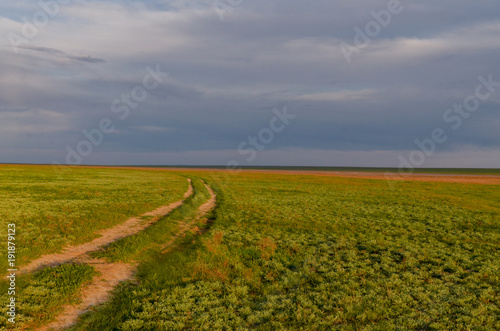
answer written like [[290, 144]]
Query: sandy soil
[[97, 292], [210, 204]]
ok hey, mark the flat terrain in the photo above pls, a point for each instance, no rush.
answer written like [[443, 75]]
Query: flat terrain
[[53, 209], [283, 250], [389, 176]]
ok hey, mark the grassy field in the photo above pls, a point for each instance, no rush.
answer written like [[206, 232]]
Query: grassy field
[[443, 171], [40, 296], [51, 209], [306, 252], [296, 252]]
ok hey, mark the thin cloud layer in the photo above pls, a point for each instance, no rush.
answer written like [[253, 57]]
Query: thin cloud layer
[[62, 55], [219, 81]]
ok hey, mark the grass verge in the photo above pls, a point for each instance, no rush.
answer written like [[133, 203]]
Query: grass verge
[[40, 296]]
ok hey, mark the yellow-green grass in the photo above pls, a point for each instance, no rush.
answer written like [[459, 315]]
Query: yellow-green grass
[[41, 296], [151, 242], [284, 252], [299, 252], [51, 209]]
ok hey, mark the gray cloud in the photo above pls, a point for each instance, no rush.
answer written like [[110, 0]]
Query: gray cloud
[[225, 78], [61, 54]]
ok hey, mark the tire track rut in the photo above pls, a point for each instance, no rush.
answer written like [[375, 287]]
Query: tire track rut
[[111, 274], [129, 227]]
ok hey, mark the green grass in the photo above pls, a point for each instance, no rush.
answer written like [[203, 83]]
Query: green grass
[[40, 296], [453, 171], [152, 272], [151, 240], [320, 253], [283, 252], [53, 209]]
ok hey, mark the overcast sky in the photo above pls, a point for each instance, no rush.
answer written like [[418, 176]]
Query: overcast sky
[[227, 67]]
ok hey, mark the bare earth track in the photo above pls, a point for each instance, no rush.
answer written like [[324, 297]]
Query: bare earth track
[[111, 274], [129, 227], [189, 226]]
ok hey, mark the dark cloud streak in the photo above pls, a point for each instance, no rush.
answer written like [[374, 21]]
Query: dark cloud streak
[[61, 54]]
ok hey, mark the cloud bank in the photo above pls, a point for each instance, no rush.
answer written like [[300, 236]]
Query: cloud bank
[[225, 77]]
